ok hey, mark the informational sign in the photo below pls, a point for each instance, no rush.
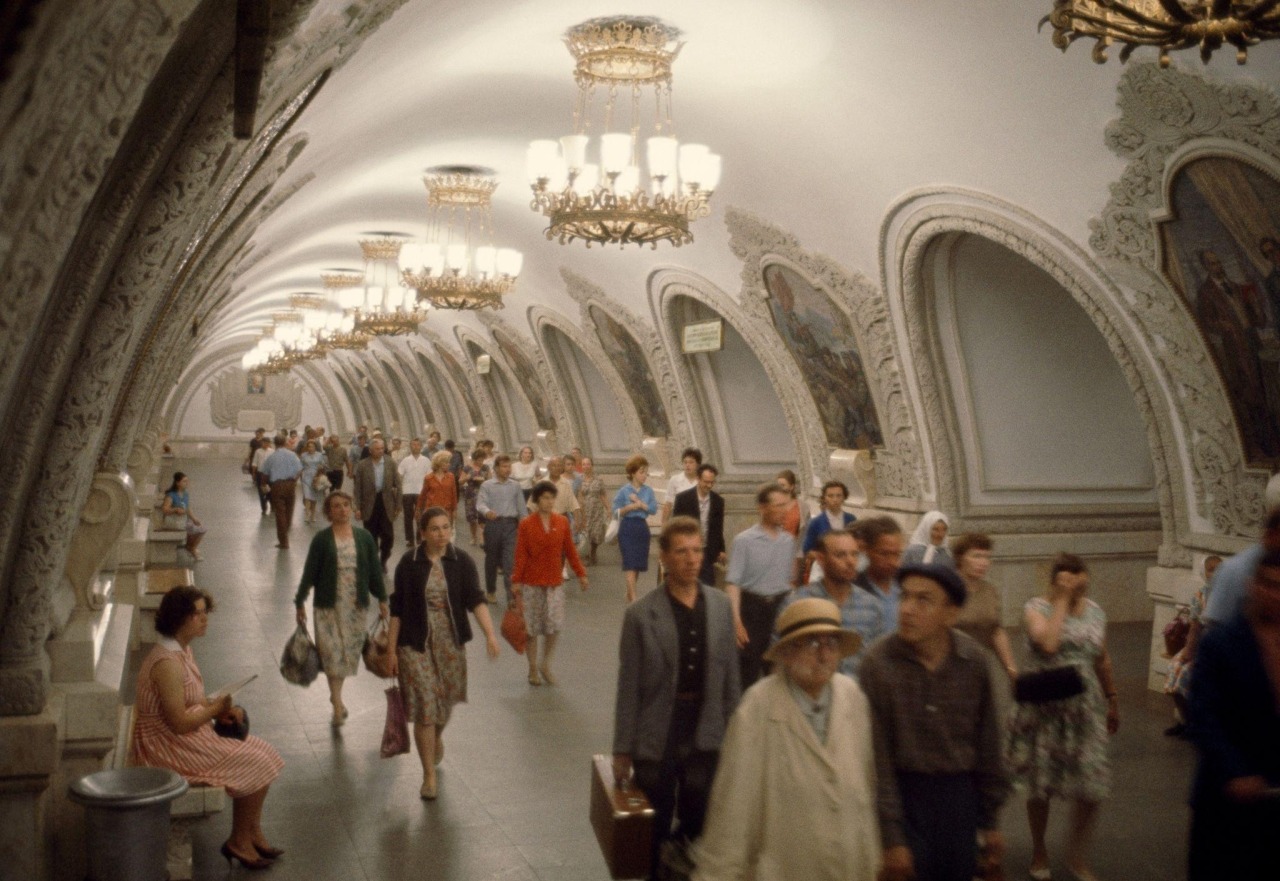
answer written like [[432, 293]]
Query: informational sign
[[704, 336], [483, 364]]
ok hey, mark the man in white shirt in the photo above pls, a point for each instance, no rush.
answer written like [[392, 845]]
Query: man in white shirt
[[414, 469], [397, 451], [690, 459]]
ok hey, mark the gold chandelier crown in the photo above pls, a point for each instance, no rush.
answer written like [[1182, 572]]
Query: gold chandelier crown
[[1169, 25], [623, 48], [383, 307], [457, 266], [610, 201]]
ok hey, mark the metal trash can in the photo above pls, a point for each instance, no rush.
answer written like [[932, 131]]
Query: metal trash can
[[127, 821]]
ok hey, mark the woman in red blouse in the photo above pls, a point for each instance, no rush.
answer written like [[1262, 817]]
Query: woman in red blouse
[[439, 488], [543, 543]]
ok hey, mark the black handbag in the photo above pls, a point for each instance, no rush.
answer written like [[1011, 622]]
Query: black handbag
[[1043, 686], [234, 728]]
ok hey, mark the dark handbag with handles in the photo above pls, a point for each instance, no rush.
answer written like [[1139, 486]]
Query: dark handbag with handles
[[1176, 632], [1043, 686], [513, 629], [236, 728]]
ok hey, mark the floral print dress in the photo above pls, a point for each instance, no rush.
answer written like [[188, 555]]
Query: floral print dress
[[595, 511], [1059, 748], [340, 631], [472, 477], [435, 680]]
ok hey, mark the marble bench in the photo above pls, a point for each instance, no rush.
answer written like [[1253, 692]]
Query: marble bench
[[158, 581]]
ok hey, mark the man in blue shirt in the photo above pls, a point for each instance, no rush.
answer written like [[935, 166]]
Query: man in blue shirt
[[1231, 581], [878, 587], [761, 567], [500, 502], [280, 470], [837, 553]]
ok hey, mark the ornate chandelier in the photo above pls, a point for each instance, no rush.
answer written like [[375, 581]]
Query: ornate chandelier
[[388, 307], [346, 288], [283, 346], [610, 201], [457, 266], [1169, 25]]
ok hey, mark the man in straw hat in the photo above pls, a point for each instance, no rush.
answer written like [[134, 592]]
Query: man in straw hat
[[794, 794], [939, 769]]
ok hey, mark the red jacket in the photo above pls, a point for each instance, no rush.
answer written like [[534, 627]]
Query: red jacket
[[540, 553]]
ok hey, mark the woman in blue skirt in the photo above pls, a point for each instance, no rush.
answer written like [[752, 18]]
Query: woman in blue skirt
[[633, 505]]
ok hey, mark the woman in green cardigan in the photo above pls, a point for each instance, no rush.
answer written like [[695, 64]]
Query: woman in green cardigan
[[344, 568]]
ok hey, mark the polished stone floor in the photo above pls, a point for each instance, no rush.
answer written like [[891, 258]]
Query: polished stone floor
[[514, 783]]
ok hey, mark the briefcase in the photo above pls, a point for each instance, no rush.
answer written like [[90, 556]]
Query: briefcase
[[623, 822]]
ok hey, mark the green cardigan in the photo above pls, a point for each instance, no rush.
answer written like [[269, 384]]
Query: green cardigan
[[321, 570]]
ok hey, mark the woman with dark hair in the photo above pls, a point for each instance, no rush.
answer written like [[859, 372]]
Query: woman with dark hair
[[435, 586], [544, 543], [313, 462], [176, 509], [1059, 748], [635, 503], [344, 568], [595, 507], [980, 614], [173, 730]]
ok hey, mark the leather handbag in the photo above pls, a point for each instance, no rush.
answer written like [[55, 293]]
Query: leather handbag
[[513, 629], [1176, 632], [623, 821], [1043, 686], [395, 733], [236, 728], [377, 650]]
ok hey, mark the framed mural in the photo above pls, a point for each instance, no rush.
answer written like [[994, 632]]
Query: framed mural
[[527, 378], [626, 357], [1221, 253], [255, 383], [820, 338]]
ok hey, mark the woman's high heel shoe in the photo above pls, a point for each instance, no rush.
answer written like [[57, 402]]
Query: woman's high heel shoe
[[271, 853], [252, 865]]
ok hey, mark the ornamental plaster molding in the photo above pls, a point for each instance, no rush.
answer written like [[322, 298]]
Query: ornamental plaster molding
[[108, 511], [493, 420], [462, 371], [417, 390], [228, 396], [411, 412], [1167, 118], [567, 430], [898, 465], [685, 427], [541, 319], [361, 407], [666, 287], [448, 382], [918, 222]]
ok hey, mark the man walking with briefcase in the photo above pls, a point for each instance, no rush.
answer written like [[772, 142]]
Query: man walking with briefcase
[[678, 684]]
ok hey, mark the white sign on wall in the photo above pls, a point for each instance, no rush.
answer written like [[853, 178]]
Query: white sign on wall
[[483, 363], [703, 336]]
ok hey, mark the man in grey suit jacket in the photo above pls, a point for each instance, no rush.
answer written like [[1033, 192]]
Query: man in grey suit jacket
[[377, 496], [678, 684]]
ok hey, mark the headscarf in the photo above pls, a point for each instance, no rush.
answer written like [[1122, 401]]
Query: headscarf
[[922, 537]]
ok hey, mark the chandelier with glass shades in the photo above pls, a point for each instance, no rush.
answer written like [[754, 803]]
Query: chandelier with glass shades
[[385, 307], [600, 193], [1169, 25], [346, 295], [457, 266], [283, 346]]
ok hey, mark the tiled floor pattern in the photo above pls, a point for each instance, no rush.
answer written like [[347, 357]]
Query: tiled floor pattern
[[514, 783]]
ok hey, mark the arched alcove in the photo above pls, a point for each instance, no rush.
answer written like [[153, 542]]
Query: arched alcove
[[518, 424], [1042, 412], [740, 407], [598, 410]]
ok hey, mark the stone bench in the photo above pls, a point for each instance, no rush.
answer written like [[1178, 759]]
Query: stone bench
[[164, 546]]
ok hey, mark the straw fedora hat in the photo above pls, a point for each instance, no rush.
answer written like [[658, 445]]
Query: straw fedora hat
[[811, 616]]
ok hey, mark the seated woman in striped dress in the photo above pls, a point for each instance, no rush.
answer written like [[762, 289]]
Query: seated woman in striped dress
[[173, 728]]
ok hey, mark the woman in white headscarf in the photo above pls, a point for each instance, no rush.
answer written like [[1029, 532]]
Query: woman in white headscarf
[[929, 542]]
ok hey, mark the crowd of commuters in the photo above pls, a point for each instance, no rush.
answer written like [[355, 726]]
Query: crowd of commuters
[[848, 706]]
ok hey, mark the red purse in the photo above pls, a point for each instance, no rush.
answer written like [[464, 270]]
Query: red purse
[[513, 629], [395, 733]]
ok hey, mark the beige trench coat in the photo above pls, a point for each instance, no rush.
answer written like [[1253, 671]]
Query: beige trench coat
[[784, 805]]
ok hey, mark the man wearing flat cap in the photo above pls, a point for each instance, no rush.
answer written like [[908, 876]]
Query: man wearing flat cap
[[940, 775], [794, 795]]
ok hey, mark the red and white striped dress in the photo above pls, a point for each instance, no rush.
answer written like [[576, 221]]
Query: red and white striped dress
[[201, 756]]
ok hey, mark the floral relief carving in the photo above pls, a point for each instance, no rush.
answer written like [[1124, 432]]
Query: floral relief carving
[[1166, 115], [898, 464], [446, 383], [228, 395], [470, 341], [467, 378], [544, 381]]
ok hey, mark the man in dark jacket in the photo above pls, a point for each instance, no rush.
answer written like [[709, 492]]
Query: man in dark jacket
[[704, 504]]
